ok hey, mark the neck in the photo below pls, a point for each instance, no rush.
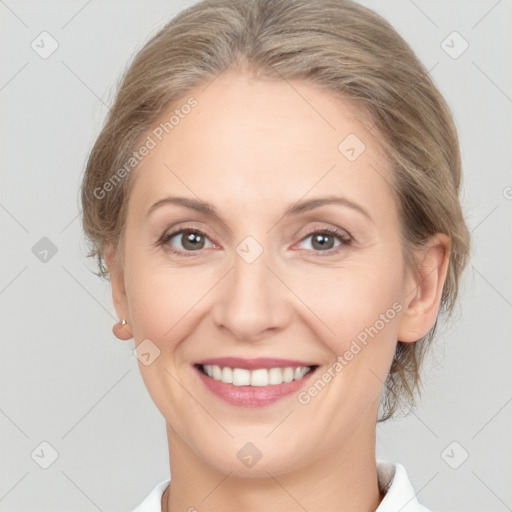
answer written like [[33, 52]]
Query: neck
[[346, 476]]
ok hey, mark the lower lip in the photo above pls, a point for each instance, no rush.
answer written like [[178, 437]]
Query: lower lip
[[252, 396]]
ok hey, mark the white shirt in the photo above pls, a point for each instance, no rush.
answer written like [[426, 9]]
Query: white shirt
[[393, 482]]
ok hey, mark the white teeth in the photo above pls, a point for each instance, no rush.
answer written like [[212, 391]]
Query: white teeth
[[275, 376], [241, 377], [259, 377], [298, 374], [227, 375], [217, 372], [288, 374]]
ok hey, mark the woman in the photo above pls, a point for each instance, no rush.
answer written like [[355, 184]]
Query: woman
[[274, 198]]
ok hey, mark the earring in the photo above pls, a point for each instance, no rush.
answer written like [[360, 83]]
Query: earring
[[122, 330]]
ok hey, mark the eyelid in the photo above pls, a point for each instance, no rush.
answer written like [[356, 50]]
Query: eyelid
[[335, 231]]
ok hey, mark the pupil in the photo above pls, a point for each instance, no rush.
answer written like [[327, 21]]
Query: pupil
[[322, 241], [192, 239]]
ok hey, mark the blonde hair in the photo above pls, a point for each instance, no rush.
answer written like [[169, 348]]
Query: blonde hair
[[338, 45]]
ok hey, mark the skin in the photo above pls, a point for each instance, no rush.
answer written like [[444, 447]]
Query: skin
[[253, 148]]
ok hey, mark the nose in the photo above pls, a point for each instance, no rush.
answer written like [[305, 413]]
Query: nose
[[251, 303]]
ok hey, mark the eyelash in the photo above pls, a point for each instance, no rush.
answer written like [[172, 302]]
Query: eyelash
[[345, 238]]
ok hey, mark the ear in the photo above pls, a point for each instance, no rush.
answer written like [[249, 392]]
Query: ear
[[119, 297], [422, 295]]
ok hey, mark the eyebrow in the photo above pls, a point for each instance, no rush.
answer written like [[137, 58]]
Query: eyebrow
[[294, 209]]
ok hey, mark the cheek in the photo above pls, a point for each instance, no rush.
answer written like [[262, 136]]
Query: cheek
[[157, 304], [359, 302], [165, 300]]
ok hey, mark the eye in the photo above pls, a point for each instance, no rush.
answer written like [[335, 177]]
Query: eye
[[190, 240], [322, 240]]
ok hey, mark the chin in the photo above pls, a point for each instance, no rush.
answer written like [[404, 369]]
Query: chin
[[246, 459]]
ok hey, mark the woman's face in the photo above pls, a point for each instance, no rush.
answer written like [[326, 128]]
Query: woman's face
[[260, 277]]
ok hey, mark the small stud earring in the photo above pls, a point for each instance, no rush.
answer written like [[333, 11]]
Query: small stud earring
[[122, 330]]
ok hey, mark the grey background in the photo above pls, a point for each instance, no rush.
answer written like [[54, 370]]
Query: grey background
[[67, 381]]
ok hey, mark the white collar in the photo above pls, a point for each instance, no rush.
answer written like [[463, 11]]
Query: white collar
[[393, 483]]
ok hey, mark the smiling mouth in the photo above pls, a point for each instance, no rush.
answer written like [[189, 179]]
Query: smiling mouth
[[258, 377]]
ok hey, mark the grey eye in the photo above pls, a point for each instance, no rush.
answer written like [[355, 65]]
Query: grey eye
[[321, 241], [190, 240]]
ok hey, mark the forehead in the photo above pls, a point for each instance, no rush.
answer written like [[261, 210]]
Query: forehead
[[264, 143]]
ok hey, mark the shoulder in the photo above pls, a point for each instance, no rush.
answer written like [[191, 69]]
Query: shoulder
[[398, 492], [152, 502]]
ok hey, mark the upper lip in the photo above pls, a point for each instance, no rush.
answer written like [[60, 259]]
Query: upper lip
[[253, 364]]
